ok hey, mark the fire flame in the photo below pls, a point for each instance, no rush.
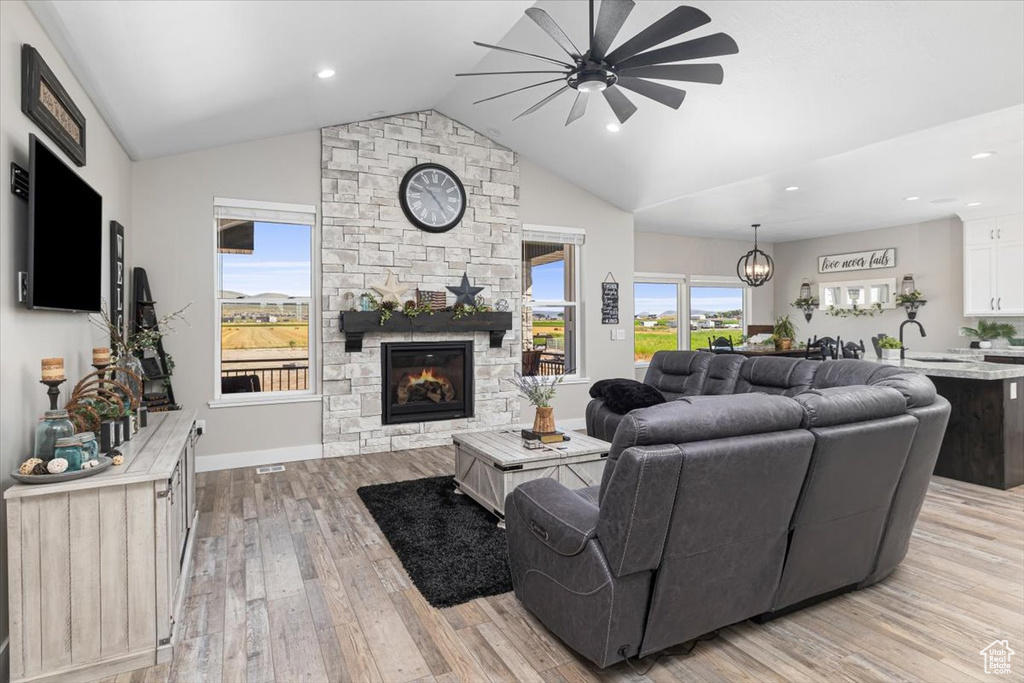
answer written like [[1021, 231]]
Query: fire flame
[[426, 375]]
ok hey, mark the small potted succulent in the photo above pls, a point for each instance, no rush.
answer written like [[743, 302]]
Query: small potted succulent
[[784, 333], [890, 347], [987, 331]]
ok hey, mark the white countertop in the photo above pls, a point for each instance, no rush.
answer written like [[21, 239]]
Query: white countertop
[[954, 365], [1002, 352]]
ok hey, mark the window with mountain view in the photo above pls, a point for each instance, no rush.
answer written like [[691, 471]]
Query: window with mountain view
[[715, 312], [264, 301], [655, 319]]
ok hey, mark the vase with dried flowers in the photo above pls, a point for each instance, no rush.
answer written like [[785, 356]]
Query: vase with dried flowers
[[539, 390]]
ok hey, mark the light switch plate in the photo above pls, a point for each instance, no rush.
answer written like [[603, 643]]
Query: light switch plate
[[1013, 390], [613, 333], [620, 335]]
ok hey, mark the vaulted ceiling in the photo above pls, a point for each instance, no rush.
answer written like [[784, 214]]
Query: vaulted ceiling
[[858, 103]]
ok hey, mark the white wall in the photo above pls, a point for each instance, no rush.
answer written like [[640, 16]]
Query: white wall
[[173, 210], [931, 251], [27, 336], [546, 199]]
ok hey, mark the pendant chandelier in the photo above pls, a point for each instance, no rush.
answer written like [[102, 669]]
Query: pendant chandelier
[[755, 267]]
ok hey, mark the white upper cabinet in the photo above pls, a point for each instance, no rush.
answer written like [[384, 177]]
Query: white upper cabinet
[[994, 266]]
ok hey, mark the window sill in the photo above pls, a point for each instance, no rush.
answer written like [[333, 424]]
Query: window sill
[[263, 400]]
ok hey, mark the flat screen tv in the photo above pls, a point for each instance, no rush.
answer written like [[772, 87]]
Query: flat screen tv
[[65, 235]]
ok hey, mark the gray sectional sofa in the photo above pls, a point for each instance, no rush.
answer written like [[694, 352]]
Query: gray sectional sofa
[[761, 485]]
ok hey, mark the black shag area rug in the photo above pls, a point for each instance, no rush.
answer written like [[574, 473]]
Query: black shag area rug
[[451, 547]]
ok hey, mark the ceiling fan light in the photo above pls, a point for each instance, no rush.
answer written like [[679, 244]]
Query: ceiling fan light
[[592, 86]]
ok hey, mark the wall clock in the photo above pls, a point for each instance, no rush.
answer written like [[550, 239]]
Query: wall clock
[[432, 198]]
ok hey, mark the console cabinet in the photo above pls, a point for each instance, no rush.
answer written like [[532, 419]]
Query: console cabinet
[[99, 567], [993, 276]]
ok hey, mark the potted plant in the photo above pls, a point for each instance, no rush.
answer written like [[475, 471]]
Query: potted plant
[[987, 331], [911, 301], [539, 390], [890, 347], [784, 333]]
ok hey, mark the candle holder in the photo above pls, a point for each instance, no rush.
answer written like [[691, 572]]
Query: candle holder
[[101, 369], [53, 392]]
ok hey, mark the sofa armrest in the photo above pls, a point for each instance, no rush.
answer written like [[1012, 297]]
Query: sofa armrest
[[556, 516]]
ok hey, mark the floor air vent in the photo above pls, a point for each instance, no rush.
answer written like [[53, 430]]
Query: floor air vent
[[270, 469]]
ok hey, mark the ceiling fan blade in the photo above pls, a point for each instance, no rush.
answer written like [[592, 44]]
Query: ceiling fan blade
[[674, 24], [525, 54], [667, 95], [544, 20], [715, 45], [501, 73], [695, 73], [610, 18], [619, 103], [579, 107], [543, 102], [535, 85]]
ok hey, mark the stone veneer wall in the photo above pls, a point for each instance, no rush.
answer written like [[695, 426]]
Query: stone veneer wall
[[365, 234]]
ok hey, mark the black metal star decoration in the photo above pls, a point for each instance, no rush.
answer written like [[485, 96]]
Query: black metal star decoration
[[465, 294]]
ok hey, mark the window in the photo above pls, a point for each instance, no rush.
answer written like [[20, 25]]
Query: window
[[675, 312], [551, 329], [265, 334], [716, 311], [656, 318]]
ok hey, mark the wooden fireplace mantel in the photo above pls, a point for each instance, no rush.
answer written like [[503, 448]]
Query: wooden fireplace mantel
[[357, 323]]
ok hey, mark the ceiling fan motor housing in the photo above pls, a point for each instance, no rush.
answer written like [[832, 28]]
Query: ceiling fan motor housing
[[591, 77]]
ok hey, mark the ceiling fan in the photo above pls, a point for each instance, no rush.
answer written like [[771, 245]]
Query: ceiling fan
[[631, 65]]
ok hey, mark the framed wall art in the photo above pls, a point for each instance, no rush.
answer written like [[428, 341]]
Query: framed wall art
[[45, 101]]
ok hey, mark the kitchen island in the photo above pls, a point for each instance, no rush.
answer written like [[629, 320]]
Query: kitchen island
[[1012, 355], [984, 442]]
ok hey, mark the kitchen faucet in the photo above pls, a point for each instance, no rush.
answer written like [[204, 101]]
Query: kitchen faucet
[[903, 349]]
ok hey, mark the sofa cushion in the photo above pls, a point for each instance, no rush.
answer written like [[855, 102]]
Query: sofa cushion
[[723, 372], [701, 418], [628, 394], [844, 405], [917, 389], [678, 373], [776, 375]]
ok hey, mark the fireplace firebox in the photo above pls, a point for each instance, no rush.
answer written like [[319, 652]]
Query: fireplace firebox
[[426, 381]]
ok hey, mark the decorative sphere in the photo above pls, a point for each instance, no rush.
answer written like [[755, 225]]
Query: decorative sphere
[[118, 459], [29, 465], [40, 468], [57, 465], [501, 305]]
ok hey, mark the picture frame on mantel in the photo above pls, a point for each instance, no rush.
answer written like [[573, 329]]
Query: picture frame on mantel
[[47, 103]]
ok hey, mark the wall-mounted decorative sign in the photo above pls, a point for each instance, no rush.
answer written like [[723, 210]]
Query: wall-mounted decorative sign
[[858, 260], [117, 276], [45, 101], [609, 301]]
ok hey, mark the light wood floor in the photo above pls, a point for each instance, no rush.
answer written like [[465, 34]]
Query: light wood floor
[[293, 581]]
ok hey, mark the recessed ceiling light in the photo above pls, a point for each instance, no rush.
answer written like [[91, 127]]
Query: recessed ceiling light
[[325, 73], [911, 199], [494, 132], [612, 127], [792, 188], [973, 203], [982, 155]]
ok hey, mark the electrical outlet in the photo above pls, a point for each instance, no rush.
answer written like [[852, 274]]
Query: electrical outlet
[[620, 335], [200, 427]]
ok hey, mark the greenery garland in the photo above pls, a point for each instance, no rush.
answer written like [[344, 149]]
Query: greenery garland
[[855, 312], [387, 309]]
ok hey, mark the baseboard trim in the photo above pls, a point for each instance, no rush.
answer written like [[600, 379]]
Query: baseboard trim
[[269, 456]]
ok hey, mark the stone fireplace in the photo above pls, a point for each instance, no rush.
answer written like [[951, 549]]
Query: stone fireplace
[[426, 381], [366, 235]]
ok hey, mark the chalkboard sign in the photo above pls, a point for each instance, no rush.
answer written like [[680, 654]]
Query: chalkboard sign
[[609, 302]]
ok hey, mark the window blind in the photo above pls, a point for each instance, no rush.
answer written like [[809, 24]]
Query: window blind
[[294, 214], [553, 236]]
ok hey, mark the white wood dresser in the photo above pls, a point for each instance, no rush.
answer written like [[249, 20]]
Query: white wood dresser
[[99, 566]]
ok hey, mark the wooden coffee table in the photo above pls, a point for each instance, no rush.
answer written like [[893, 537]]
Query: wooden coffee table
[[489, 465]]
